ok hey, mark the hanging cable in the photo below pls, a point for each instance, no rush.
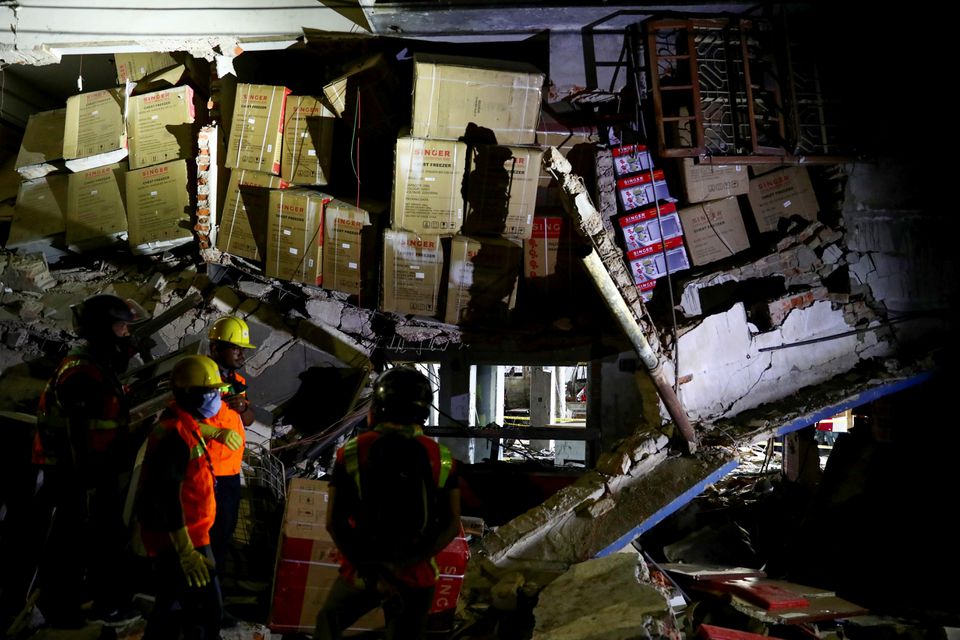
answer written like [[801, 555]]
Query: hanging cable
[[640, 124]]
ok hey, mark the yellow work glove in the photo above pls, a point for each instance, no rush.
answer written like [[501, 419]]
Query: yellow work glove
[[230, 439], [193, 563]]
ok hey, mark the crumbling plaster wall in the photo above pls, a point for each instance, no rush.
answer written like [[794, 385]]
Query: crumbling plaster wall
[[901, 278]]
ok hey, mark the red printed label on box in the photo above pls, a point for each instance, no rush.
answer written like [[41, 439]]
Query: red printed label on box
[[631, 158]]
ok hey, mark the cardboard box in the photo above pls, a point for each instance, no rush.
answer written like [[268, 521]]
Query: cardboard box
[[256, 130], [160, 127], [371, 83], [642, 188], [136, 66], [481, 279], [160, 80], [243, 220], [295, 235], [642, 227], [427, 182], [540, 250], [630, 158], [95, 132], [307, 562], [714, 230], [41, 151], [412, 269], [96, 215], [343, 251], [649, 263], [158, 208], [366, 72], [308, 565], [502, 191], [451, 92], [307, 141], [702, 182], [40, 210], [782, 194]]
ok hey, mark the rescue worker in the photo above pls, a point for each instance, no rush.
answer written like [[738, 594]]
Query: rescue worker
[[226, 435], [379, 565], [176, 507], [83, 448]]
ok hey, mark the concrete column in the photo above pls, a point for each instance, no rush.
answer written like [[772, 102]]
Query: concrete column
[[489, 394], [458, 401], [543, 404]]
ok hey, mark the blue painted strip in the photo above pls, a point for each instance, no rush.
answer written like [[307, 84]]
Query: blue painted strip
[[668, 509], [856, 401]]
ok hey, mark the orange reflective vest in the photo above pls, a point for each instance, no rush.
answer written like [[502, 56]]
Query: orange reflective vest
[[103, 427], [196, 489], [227, 462], [353, 455]]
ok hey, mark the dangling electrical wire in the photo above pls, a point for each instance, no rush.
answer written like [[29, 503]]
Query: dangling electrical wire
[[355, 144], [641, 126]]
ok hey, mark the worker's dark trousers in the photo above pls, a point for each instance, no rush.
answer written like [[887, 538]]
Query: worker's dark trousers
[[196, 611], [405, 610], [227, 494], [85, 557], [64, 558], [22, 532]]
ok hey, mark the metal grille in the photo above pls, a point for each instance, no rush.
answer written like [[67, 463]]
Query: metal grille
[[726, 118], [815, 121], [263, 495]]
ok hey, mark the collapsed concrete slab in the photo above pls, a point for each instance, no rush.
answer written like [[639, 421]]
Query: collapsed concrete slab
[[605, 599]]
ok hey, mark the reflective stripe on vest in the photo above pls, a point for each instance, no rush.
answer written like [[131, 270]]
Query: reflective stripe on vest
[[53, 423], [440, 468]]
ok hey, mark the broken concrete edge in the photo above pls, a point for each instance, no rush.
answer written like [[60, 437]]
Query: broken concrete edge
[[610, 598], [632, 460], [835, 395]]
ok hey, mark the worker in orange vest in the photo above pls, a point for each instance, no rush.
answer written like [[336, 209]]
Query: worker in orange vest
[[226, 435], [393, 505], [176, 507], [83, 447]]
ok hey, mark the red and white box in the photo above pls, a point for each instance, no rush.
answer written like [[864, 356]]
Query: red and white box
[[452, 565], [540, 251], [643, 188], [644, 227], [656, 260], [630, 158]]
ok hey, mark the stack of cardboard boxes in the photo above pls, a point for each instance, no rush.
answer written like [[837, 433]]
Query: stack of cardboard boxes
[[647, 226], [308, 564], [712, 220], [279, 152], [465, 179], [112, 164]]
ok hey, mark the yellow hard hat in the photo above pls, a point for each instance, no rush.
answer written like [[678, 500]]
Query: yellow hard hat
[[196, 372], [232, 330]]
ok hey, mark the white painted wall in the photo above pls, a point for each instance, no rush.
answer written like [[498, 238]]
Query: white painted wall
[[729, 372]]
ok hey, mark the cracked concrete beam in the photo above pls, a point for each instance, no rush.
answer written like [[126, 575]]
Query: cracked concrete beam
[[609, 272]]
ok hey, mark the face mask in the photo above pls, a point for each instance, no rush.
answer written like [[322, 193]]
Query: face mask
[[210, 404]]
